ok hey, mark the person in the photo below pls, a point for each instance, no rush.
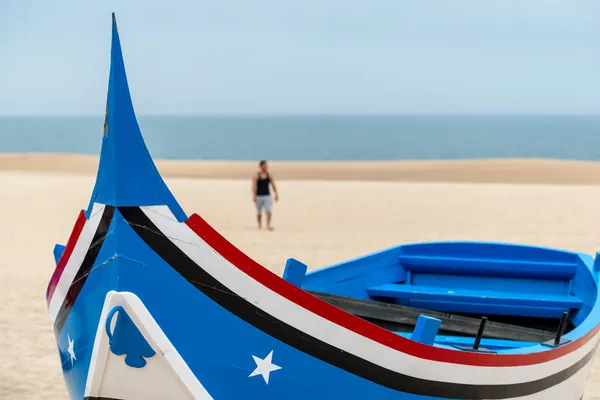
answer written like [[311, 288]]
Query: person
[[261, 193]]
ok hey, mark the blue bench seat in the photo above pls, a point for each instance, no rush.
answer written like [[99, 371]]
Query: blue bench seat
[[489, 267], [477, 301]]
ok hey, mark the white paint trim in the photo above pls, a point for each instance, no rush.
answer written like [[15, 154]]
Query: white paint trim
[[79, 251], [151, 331], [570, 389], [289, 312]]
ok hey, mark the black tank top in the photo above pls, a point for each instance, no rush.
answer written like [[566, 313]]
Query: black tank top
[[262, 186]]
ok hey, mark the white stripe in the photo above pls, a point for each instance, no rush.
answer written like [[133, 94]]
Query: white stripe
[[569, 389], [287, 311], [79, 251]]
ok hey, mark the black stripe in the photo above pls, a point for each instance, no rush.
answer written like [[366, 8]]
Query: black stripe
[[84, 269], [100, 398], [245, 310]]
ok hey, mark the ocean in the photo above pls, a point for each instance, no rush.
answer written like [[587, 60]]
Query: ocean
[[401, 137]]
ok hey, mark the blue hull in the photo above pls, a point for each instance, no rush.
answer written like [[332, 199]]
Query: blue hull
[[147, 302], [216, 344]]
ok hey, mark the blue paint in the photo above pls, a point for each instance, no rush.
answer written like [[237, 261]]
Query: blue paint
[[127, 175], [82, 322], [127, 339], [505, 273], [468, 282], [582, 284], [597, 262], [426, 329], [468, 300], [220, 358], [467, 277], [58, 252], [218, 346], [490, 251], [489, 266], [294, 271], [449, 342], [351, 278]]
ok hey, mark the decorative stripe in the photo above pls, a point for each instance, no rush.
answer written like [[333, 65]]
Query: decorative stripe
[[362, 327], [64, 258], [84, 270], [346, 339], [74, 262], [100, 398], [247, 311], [340, 336]]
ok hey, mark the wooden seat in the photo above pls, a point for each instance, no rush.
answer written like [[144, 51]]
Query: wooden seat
[[489, 267], [476, 301]]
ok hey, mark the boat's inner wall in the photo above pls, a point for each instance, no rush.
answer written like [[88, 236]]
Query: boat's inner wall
[[352, 278], [524, 274], [585, 286]]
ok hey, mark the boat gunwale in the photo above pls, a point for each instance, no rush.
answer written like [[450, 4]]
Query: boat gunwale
[[531, 355]]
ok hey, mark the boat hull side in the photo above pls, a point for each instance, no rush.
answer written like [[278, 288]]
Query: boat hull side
[[219, 340]]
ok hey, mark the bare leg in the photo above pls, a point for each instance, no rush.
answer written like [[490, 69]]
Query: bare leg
[[259, 219], [269, 221]]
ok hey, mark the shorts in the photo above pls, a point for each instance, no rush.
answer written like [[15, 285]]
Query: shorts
[[265, 201]]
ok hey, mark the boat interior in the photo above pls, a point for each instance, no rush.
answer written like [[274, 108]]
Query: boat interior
[[488, 296]]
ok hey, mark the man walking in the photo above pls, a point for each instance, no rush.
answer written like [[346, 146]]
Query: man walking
[[261, 194]]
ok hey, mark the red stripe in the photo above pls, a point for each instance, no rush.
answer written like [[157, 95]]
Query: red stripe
[[64, 258], [362, 327]]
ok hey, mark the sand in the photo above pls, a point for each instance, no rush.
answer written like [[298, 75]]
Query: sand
[[319, 220], [525, 171]]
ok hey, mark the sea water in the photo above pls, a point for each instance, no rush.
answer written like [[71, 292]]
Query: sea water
[[402, 137]]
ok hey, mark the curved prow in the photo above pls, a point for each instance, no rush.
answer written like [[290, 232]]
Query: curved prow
[[127, 175]]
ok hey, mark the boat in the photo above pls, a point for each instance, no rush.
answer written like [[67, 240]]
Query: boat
[[147, 302]]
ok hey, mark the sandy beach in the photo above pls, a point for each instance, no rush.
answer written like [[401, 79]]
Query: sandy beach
[[327, 212]]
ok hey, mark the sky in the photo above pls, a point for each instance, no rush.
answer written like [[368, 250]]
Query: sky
[[199, 57]]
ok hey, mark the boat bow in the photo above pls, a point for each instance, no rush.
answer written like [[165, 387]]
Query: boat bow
[[127, 175], [141, 287]]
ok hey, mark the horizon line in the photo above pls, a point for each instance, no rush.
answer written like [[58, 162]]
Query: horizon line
[[316, 114]]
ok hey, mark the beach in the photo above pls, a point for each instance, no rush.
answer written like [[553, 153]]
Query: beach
[[328, 212]]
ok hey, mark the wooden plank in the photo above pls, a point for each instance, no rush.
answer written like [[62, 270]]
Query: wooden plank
[[477, 301], [394, 290], [403, 318], [489, 266]]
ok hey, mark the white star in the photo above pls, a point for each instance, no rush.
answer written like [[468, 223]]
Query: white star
[[70, 350], [264, 367]]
